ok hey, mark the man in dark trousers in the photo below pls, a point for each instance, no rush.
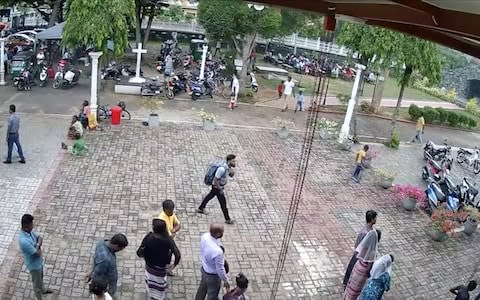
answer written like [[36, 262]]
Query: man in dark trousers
[[223, 171], [13, 136]]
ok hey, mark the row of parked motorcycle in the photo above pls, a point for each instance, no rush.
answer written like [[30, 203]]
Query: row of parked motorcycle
[[437, 172]]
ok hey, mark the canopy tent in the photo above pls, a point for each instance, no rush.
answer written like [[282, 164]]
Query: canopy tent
[[52, 33], [451, 23]]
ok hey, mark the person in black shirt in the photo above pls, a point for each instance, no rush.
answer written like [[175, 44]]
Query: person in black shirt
[[157, 248], [462, 291]]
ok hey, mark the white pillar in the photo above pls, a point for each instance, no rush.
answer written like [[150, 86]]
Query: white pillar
[[93, 90], [2, 57], [295, 43], [204, 60], [351, 105]]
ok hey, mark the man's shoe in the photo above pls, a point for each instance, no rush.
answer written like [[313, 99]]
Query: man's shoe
[[7, 162], [201, 211], [230, 222], [47, 291], [22, 161]]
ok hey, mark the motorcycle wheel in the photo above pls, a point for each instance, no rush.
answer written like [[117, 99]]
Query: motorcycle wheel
[[194, 97], [43, 83], [56, 84], [21, 86], [476, 167], [170, 95], [125, 115], [255, 89], [460, 157]]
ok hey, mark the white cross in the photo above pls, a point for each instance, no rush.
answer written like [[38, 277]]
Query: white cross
[[139, 52]]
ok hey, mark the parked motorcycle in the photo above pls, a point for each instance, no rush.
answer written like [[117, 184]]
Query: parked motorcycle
[[436, 152], [176, 85], [437, 171], [160, 66], [445, 191], [111, 71], [66, 80], [151, 87], [468, 193], [20, 83], [202, 88], [43, 77], [470, 157]]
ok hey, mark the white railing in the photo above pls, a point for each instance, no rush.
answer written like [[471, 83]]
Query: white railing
[[291, 40]]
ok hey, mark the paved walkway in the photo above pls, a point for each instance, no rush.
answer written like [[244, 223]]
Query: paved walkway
[[130, 169]]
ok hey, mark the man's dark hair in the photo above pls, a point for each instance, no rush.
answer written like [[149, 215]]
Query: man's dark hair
[[366, 147], [168, 205], [379, 235], [98, 286], [370, 215], [159, 226], [393, 259], [242, 281], [13, 108], [120, 240], [27, 219], [472, 285], [230, 157]]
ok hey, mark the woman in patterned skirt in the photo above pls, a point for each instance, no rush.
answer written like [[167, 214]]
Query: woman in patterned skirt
[[379, 281]]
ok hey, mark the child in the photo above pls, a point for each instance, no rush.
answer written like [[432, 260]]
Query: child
[[238, 292], [232, 103], [299, 101], [173, 225], [78, 147], [98, 287], [280, 88]]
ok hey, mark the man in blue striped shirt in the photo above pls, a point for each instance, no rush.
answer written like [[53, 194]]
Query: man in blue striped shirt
[[13, 136]]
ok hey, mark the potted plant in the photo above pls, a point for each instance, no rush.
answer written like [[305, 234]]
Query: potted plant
[[371, 154], [442, 224], [409, 196], [208, 120], [153, 103], [327, 128], [282, 127], [471, 221], [385, 178]]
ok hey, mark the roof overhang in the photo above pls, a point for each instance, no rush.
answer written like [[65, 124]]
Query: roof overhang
[[454, 23]]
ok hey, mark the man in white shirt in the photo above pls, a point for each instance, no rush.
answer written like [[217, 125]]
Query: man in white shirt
[[288, 93], [235, 90], [213, 264]]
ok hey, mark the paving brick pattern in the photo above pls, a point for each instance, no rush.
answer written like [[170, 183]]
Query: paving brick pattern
[[129, 170]]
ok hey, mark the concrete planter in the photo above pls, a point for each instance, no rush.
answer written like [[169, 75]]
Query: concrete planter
[[409, 204], [469, 226], [154, 120], [438, 236], [208, 125], [282, 133], [386, 183]]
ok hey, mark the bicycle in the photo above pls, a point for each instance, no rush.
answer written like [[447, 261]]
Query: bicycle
[[105, 112], [220, 89]]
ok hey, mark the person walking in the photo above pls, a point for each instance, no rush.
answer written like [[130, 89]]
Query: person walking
[[367, 252], [13, 136], [419, 130], [380, 278], [359, 158], [370, 220], [105, 261], [288, 92], [299, 101], [157, 248], [217, 176], [30, 243], [213, 264], [462, 291], [235, 91]]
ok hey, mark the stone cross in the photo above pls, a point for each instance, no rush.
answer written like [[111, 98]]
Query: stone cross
[[139, 51]]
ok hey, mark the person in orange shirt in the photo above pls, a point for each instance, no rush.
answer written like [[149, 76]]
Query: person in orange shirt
[[359, 158], [168, 215]]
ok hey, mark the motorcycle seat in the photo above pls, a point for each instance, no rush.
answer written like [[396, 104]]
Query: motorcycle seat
[[473, 191]]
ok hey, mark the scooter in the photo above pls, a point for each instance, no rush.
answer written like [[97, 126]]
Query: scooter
[[437, 171], [445, 192], [435, 151], [151, 87], [202, 88], [111, 71], [468, 193], [470, 157], [67, 79], [43, 76]]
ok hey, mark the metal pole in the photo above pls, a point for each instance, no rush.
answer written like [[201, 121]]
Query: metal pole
[[2, 58]]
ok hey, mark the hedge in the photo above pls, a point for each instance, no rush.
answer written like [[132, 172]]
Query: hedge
[[441, 116]]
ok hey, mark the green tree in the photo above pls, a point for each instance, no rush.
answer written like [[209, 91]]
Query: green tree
[[146, 9], [235, 23], [50, 10], [95, 22]]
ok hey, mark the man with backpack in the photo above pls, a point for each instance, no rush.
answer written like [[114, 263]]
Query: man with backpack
[[216, 177]]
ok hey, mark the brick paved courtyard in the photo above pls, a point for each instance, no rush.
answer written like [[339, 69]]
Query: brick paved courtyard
[[130, 169]]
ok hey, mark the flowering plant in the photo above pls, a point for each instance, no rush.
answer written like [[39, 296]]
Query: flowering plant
[[384, 175], [412, 192], [281, 123], [330, 126], [371, 153], [444, 220], [206, 116]]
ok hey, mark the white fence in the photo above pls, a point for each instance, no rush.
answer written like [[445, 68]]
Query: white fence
[[291, 40]]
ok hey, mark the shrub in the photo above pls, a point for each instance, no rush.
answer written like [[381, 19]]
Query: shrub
[[394, 141], [452, 118], [365, 106], [430, 114], [414, 111], [343, 98], [442, 115], [463, 119], [471, 106], [471, 123]]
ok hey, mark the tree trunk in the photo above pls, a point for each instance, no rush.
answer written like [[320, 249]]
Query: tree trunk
[[403, 84], [138, 21], [146, 34], [247, 48], [56, 11], [355, 110], [378, 92]]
